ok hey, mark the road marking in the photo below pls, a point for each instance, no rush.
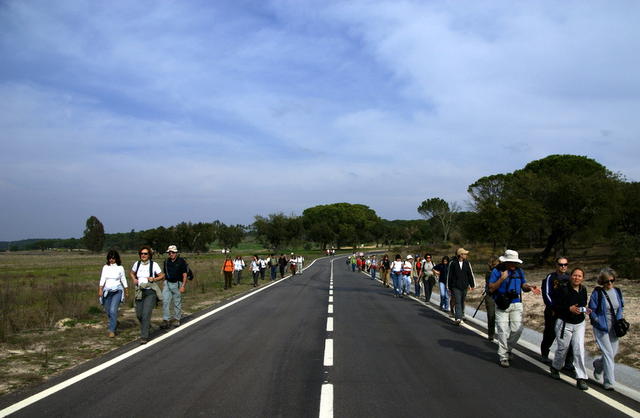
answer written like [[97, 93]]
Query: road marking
[[62, 385], [330, 324], [330, 299], [326, 401], [330, 292], [330, 310], [328, 352]]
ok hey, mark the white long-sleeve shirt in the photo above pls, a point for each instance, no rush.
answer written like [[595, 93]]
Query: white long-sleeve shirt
[[113, 277]]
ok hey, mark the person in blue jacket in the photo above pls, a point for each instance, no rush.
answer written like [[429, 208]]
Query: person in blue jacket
[[604, 299]]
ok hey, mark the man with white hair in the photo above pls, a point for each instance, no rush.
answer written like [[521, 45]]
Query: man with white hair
[[506, 284], [460, 279]]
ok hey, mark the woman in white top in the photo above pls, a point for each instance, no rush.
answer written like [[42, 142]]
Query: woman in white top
[[255, 270], [145, 274], [112, 289], [396, 275]]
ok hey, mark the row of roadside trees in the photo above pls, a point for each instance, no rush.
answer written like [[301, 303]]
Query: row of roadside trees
[[550, 203]]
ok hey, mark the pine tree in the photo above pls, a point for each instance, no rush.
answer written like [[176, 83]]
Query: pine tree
[[94, 234]]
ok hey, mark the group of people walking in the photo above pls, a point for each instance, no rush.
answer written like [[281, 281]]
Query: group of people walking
[[146, 276], [565, 296]]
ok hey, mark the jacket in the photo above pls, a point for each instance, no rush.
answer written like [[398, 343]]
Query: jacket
[[600, 307], [458, 278]]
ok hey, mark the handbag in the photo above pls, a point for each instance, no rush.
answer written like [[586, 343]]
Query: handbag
[[620, 326]]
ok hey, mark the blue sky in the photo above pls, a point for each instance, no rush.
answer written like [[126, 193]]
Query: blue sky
[[150, 113]]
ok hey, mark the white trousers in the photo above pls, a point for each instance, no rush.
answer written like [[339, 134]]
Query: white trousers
[[508, 328], [573, 334], [608, 344]]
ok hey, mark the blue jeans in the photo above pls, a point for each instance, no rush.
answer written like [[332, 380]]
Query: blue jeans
[[171, 291], [274, 272], [353, 267], [396, 278], [444, 296], [373, 274], [416, 287], [111, 304]]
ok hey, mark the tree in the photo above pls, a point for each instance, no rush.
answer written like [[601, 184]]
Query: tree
[[230, 236], [94, 234], [340, 224], [439, 209], [276, 230]]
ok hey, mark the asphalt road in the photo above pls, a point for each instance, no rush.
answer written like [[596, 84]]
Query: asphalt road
[[263, 357]]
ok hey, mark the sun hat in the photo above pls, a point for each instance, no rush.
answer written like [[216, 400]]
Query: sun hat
[[461, 251], [172, 249], [510, 256], [409, 257]]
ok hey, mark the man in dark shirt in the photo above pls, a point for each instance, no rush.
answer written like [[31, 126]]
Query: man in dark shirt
[[460, 278], [175, 269], [550, 285]]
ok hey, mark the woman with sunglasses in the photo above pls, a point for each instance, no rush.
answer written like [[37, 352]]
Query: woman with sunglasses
[[604, 302], [112, 289], [146, 274]]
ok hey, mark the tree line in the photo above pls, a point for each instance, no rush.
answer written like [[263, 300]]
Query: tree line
[[550, 203]]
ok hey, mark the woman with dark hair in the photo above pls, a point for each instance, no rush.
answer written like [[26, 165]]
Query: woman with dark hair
[[570, 304], [440, 271], [255, 270], [112, 289], [606, 305], [145, 274], [428, 277]]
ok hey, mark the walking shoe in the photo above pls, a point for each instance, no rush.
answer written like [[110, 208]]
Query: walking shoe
[[458, 322], [175, 323], [165, 324], [597, 373], [555, 374], [607, 386], [544, 359], [143, 341], [581, 384], [504, 363], [111, 334]]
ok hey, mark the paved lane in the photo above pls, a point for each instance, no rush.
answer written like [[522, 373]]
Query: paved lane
[[259, 358], [395, 357]]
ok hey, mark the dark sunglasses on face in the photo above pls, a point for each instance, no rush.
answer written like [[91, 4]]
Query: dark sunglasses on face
[[144, 253], [610, 281], [563, 264]]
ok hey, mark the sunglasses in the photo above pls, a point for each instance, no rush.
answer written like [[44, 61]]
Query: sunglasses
[[563, 264], [610, 281], [143, 253], [172, 252]]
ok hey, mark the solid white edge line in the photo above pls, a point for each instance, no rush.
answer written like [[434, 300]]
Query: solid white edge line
[[326, 401], [329, 324], [600, 396], [62, 385], [328, 352]]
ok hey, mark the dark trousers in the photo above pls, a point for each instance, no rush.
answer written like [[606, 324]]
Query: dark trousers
[[256, 274], [549, 336], [491, 315], [262, 273], [238, 274], [144, 308], [228, 279], [274, 272], [460, 296], [282, 269], [428, 287]]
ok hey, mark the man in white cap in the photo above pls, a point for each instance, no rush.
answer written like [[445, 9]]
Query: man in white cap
[[176, 280], [506, 284], [460, 279]]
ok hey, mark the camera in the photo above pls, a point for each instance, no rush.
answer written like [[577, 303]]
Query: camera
[[512, 294], [582, 309]]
